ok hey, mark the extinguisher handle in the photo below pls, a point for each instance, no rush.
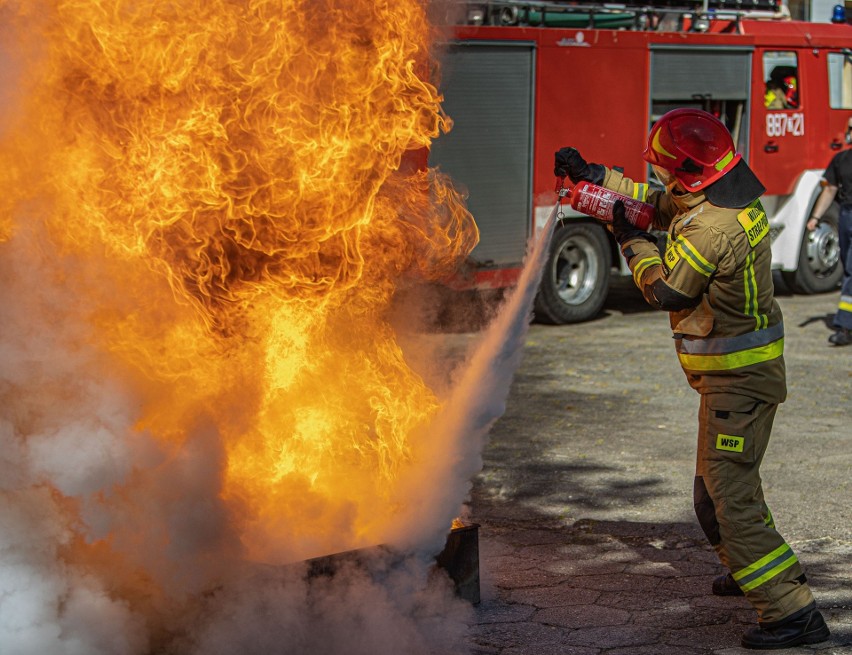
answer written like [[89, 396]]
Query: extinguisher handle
[[561, 189]]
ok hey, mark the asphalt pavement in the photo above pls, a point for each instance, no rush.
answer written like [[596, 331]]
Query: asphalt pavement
[[588, 541]]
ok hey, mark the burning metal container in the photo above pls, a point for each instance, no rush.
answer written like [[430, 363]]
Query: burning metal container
[[459, 559]]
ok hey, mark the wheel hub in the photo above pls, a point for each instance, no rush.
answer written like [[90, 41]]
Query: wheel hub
[[823, 249], [574, 272]]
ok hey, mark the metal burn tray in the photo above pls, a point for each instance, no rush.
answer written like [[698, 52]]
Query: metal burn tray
[[459, 559]]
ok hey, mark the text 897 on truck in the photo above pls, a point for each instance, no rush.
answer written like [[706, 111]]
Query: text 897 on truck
[[522, 79]]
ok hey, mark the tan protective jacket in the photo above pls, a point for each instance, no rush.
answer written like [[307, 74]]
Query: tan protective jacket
[[732, 340]]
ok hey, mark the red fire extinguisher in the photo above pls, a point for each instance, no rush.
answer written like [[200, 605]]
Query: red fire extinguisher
[[596, 201]]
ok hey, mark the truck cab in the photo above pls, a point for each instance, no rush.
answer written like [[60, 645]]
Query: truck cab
[[520, 84]]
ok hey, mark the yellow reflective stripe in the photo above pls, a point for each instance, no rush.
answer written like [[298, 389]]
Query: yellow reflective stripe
[[769, 520], [644, 265], [640, 191], [750, 291], [845, 304], [724, 161], [783, 566], [695, 259], [749, 286], [759, 564], [731, 361], [735, 344], [766, 568]]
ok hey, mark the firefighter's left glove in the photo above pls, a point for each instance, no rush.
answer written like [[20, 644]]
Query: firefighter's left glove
[[569, 163], [623, 230]]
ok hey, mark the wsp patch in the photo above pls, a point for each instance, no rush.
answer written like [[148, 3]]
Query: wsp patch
[[730, 443]]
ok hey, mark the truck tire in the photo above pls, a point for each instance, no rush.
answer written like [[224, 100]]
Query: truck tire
[[819, 269], [575, 281]]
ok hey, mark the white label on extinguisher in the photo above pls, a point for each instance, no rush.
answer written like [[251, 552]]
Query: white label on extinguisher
[[597, 203]]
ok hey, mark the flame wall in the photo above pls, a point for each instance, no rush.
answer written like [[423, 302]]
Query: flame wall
[[211, 204]]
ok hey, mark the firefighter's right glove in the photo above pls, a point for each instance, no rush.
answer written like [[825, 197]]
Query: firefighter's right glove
[[623, 230], [569, 163]]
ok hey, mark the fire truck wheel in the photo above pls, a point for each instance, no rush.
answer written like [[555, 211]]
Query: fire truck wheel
[[576, 277], [819, 268]]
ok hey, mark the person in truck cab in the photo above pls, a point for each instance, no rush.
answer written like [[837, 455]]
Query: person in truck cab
[[838, 186], [713, 276], [782, 89]]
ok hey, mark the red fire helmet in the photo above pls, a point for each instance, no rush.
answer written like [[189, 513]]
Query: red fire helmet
[[693, 145], [791, 91]]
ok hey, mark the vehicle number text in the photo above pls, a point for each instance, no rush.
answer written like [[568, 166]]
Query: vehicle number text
[[784, 124]]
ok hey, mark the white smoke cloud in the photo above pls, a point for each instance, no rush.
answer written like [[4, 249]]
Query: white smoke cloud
[[61, 443], [46, 605], [375, 607]]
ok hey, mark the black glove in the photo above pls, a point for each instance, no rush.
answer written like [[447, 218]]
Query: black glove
[[569, 163], [623, 230]]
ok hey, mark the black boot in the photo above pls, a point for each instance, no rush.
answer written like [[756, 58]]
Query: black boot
[[841, 338], [805, 626], [725, 585]]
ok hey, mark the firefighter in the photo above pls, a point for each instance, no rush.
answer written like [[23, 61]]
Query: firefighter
[[775, 96], [713, 277], [838, 185], [782, 89]]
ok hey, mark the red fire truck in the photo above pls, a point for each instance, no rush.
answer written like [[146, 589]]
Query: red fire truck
[[522, 79]]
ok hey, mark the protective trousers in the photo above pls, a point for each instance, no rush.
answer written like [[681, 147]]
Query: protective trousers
[[732, 437], [843, 317]]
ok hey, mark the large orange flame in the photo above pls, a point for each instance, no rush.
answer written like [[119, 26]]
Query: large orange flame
[[234, 179]]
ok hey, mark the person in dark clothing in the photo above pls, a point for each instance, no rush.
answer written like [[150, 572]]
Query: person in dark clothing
[[838, 186]]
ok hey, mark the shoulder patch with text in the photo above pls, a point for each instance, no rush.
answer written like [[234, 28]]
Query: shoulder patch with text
[[754, 222]]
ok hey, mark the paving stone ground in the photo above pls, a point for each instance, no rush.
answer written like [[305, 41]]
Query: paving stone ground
[[588, 543]]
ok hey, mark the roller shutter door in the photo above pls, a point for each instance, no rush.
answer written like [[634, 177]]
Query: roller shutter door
[[677, 74], [488, 92]]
